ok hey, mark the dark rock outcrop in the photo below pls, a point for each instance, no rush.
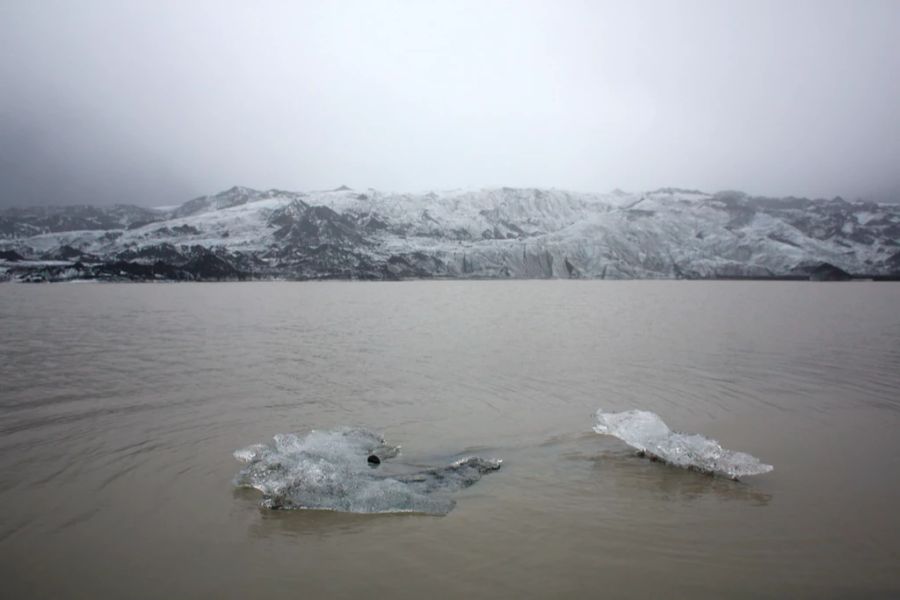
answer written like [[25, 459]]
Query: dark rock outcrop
[[11, 255], [829, 272]]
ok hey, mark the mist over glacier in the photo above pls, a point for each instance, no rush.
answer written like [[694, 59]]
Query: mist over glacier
[[150, 103]]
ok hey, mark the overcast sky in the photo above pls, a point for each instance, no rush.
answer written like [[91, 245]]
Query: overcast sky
[[155, 102]]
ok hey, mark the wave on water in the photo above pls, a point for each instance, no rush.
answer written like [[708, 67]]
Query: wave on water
[[649, 435], [338, 470]]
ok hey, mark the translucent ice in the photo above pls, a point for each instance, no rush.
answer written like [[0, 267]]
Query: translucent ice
[[329, 470], [649, 435]]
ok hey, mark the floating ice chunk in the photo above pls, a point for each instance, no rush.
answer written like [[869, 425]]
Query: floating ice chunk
[[331, 470], [250, 453], [649, 435]]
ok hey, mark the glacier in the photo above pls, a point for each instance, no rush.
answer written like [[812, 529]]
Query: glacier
[[242, 233], [646, 432], [332, 470]]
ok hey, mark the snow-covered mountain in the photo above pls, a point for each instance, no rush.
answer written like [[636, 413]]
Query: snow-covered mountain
[[487, 233]]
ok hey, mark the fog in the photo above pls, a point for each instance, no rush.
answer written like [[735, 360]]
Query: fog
[[155, 102]]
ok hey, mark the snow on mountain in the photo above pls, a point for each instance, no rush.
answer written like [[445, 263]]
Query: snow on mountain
[[234, 197], [503, 232]]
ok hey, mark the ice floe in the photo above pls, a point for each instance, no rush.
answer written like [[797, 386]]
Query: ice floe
[[646, 432], [335, 470]]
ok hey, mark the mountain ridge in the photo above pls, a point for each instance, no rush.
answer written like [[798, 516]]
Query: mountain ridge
[[243, 233]]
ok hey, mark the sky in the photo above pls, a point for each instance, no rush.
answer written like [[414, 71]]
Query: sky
[[155, 102]]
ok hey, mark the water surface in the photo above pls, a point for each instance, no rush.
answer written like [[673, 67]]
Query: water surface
[[121, 405]]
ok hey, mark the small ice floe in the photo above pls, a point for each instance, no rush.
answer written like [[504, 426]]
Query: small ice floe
[[339, 470], [646, 432]]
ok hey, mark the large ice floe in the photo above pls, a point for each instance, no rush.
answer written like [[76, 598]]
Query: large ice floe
[[646, 432], [340, 470]]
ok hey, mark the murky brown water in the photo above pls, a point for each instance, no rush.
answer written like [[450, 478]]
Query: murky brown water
[[120, 406]]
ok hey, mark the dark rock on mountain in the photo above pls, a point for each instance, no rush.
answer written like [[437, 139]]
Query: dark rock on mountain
[[63, 253], [311, 226], [11, 255], [160, 252], [131, 271], [327, 261], [207, 266], [828, 272], [415, 265]]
